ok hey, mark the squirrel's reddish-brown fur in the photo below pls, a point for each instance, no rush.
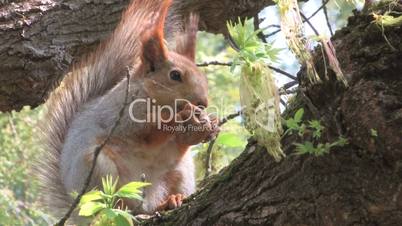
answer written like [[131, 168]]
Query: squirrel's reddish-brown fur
[[80, 111]]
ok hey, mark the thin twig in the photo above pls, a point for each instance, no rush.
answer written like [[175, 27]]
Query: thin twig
[[289, 84], [97, 151], [288, 91], [308, 18], [287, 74], [310, 105], [310, 24], [283, 102], [284, 90], [318, 10], [13, 129], [257, 27], [324, 9], [205, 64], [208, 162], [17, 138], [273, 33], [232, 43], [229, 117]]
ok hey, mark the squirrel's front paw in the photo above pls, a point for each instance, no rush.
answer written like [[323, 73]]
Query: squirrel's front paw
[[172, 202], [196, 126]]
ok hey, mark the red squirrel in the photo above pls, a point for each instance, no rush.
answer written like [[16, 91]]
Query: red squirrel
[[84, 108]]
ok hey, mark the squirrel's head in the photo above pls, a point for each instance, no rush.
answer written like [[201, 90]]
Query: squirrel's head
[[173, 75]]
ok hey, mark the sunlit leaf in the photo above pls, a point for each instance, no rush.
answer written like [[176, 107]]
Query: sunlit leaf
[[299, 115], [123, 218], [91, 196], [131, 190], [109, 214], [91, 208], [229, 140]]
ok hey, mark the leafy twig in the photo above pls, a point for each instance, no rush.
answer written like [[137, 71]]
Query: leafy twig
[[97, 151]]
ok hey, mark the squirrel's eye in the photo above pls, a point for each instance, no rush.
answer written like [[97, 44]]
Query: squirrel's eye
[[175, 75]]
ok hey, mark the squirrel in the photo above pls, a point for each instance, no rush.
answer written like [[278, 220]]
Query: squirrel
[[81, 112]]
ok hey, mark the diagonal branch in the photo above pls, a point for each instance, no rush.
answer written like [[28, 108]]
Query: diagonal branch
[[278, 70], [327, 18], [208, 162], [310, 24], [97, 151], [323, 6]]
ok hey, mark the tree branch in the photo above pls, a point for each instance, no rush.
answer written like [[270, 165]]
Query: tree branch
[[39, 40], [97, 151], [323, 6], [208, 162], [278, 70], [326, 17]]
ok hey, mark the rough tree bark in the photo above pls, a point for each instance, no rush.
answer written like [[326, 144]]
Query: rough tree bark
[[360, 184], [40, 39]]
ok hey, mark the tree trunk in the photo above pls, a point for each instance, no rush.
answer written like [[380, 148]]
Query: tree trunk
[[39, 40], [360, 184]]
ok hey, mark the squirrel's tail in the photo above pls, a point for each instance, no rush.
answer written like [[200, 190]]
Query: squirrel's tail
[[91, 78]]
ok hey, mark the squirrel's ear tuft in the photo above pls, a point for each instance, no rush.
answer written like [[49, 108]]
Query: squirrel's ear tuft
[[154, 50], [186, 42], [153, 46]]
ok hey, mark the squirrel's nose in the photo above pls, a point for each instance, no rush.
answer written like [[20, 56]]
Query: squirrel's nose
[[202, 102]]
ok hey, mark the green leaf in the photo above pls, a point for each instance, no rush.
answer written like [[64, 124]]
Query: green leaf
[[109, 186], [122, 221], [229, 140], [252, 49], [91, 196], [123, 218], [299, 115], [317, 127], [129, 195], [74, 194], [302, 129], [373, 133], [292, 124], [305, 148], [91, 208], [109, 213], [340, 142], [131, 190]]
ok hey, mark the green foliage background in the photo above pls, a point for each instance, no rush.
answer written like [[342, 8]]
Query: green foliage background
[[18, 187], [19, 144]]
